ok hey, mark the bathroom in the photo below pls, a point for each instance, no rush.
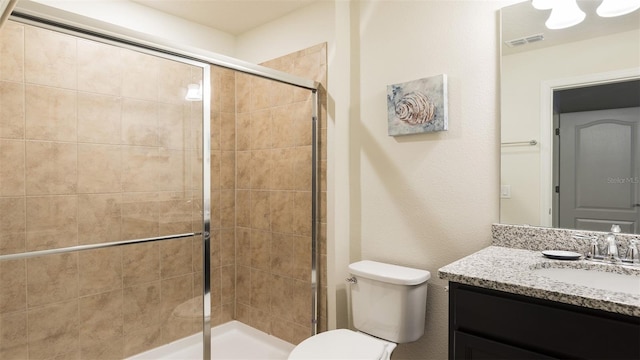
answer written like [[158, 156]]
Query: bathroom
[[422, 201]]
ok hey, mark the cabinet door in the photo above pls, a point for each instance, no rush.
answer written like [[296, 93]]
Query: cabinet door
[[542, 325], [470, 347]]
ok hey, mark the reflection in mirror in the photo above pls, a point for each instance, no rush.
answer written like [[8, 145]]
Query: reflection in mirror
[[583, 84]]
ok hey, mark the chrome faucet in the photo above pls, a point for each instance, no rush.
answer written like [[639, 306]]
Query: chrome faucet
[[610, 251]]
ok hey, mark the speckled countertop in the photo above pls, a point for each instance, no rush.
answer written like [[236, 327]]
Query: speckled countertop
[[510, 270]]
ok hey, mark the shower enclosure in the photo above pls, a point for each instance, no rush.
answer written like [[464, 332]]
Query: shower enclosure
[[133, 217]]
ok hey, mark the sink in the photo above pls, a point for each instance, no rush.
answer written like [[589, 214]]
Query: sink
[[609, 281]]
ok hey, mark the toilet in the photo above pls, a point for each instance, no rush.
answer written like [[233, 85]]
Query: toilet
[[388, 303]]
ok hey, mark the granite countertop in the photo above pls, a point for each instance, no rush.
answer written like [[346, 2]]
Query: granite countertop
[[510, 270]]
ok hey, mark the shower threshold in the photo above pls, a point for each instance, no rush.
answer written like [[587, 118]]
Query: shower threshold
[[232, 340]]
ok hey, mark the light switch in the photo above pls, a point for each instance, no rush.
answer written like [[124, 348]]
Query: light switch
[[505, 191]]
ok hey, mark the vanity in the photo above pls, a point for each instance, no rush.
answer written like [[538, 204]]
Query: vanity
[[503, 304], [508, 301]]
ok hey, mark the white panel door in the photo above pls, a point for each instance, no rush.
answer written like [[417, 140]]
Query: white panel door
[[599, 172]]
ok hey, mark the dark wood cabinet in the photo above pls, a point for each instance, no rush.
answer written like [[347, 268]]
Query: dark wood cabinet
[[475, 347], [489, 324]]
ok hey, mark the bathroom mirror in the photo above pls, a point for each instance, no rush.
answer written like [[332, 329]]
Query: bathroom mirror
[[549, 77]]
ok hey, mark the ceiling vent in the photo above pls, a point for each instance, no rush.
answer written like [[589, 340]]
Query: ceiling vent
[[524, 40]]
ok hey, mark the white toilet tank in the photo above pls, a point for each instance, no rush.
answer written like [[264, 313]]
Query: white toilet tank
[[389, 301]]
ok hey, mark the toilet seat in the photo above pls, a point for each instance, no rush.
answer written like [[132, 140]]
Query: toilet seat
[[342, 344]]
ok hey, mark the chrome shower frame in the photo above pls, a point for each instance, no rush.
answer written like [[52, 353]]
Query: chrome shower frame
[[68, 23], [6, 6]]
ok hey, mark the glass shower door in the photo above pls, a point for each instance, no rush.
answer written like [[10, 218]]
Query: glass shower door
[[101, 196]]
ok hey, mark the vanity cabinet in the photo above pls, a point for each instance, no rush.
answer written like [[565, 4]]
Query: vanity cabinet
[[489, 324]]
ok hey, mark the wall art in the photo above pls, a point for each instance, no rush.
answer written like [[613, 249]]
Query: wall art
[[418, 106]]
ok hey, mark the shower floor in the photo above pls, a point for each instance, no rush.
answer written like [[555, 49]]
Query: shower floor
[[232, 340]]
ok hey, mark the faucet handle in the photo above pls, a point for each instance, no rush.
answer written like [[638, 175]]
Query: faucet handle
[[595, 250], [633, 256], [615, 228]]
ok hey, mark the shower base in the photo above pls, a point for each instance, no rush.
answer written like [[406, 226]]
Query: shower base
[[232, 340]]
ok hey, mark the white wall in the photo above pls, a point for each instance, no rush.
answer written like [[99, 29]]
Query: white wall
[[300, 29], [427, 200], [522, 75], [141, 19]]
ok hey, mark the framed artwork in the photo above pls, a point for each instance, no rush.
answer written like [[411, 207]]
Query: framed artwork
[[418, 106]]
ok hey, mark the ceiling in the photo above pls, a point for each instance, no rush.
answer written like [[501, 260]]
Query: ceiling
[[231, 16], [522, 20]]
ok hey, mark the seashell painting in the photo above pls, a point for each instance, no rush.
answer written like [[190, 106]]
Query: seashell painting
[[418, 106]]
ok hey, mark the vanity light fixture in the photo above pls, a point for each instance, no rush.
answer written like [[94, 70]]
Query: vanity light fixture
[[567, 13], [564, 14], [611, 8], [194, 92], [542, 4]]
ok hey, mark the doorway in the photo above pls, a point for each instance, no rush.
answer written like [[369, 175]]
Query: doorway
[[597, 157]]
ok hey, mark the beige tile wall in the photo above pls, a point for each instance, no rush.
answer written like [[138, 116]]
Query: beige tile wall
[[96, 145], [91, 151], [273, 199]]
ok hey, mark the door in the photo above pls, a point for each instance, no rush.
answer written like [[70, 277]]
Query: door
[[599, 171]]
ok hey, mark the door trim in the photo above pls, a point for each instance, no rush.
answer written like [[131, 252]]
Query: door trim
[[547, 88]]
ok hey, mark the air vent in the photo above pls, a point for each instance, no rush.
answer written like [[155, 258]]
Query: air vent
[[524, 40]]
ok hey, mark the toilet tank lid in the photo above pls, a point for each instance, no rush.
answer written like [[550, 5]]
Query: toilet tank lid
[[393, 274]]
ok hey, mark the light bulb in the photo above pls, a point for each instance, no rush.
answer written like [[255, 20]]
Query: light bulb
[[611, 8], [565, 13], [542, 4], [194, 92]]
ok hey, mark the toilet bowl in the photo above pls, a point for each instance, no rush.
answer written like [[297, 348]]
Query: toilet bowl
[[342, 344], [388, 305]]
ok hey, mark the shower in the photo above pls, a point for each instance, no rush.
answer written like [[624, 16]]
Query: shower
[[134, 217]]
